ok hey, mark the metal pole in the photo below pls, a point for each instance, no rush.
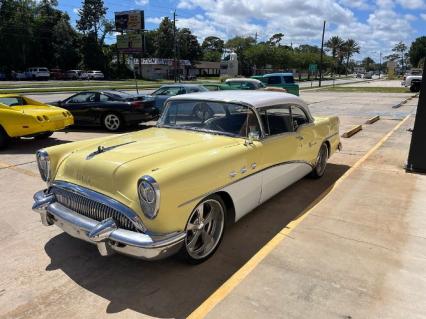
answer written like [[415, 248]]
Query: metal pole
[[322, 53], [380, 66], [134, 74], [174, 45]]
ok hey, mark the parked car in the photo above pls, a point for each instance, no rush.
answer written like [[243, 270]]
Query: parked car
[[165, 91], [111, 109], [368, 75], [413, 82], [358, 75], [76, 75], [212, 158], [245, 84], [95, 75], [216, 86], [21, 116], [282, 80], [38, 73], [57, 74]]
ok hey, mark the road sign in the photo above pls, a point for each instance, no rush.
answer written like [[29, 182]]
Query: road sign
[[313, 68], [129, 20], [130, 42]]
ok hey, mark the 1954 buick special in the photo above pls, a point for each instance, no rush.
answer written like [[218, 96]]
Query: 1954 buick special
[[212, 158]]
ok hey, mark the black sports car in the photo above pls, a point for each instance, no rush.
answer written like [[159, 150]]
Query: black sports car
[[111, 109]]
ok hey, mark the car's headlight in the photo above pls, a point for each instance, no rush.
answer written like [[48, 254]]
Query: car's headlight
[[43, 163], [149, 196]]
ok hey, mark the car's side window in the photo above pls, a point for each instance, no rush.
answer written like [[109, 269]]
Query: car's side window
[[82, 98], [276, 120], [299, 116], [104, 98], [274, 80]]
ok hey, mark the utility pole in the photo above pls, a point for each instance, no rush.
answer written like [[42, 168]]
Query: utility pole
[[255, 38], [322, 53], [380, 65], [174, 45]]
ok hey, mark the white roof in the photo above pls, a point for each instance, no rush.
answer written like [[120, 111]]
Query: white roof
[[254, 98], [243, 80]]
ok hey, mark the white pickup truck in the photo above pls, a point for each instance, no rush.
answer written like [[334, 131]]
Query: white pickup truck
[[412, 82]]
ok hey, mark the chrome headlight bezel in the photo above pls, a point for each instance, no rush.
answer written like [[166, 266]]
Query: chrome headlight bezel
[[149, 196], [43, 163]]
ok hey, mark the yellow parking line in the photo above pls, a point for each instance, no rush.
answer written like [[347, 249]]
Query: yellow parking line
[[242, 273], [18, 169]]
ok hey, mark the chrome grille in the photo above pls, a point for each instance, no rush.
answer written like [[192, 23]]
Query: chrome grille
[[90, 208]]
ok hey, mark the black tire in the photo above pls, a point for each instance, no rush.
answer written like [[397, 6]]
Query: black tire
[[216, 226], [321, 163], [415, 87], [112, 122], [43, 136], [4, 138]]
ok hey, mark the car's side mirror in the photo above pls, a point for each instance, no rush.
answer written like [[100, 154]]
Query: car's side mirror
[[252, 136], [295, 125]]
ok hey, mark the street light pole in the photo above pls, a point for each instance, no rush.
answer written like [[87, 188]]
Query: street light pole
[[380, 66], [322, 53]]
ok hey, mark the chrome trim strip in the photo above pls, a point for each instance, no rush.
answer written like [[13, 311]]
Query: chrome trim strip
[[103, 199], [243, 177], [101, 149]]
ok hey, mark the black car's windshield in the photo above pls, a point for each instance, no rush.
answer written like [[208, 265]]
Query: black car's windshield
[[212, 117]]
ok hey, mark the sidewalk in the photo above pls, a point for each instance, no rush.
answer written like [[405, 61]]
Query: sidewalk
[[360, 253]]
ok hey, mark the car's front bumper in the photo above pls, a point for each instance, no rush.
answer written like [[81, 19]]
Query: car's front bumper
[[105, 234]]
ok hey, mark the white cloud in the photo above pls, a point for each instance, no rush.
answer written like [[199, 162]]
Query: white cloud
[[75, 10], [141, 2], [412, 4], [423, 16], [301, 21]]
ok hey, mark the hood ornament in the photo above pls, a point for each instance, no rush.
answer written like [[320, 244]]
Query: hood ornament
[[102, 149]]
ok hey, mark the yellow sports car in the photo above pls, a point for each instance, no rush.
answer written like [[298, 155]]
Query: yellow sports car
[[212, 158], [21, 116]]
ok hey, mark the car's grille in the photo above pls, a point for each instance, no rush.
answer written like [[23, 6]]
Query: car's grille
[[90, 208]]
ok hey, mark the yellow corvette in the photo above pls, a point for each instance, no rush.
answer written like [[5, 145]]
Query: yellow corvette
[[212, 158], [21, 116]]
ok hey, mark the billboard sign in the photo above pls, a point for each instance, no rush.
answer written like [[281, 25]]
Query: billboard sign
[[129, 20], [130, 42]]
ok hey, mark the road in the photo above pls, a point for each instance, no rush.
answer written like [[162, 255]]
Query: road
[[45, 274]]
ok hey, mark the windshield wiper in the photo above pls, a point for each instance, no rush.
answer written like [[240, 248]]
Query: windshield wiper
[[191, 128]]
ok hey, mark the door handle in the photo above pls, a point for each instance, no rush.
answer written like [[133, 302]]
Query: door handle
[[232, 174], [243, 170]]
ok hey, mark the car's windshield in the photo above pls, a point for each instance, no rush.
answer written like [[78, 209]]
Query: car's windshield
[[212, 117], [12, 101], [169, 90]]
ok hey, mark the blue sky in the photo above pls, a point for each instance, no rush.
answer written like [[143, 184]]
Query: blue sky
[[377, 25]]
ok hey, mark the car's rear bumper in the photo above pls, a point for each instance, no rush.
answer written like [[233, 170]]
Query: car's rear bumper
[[105, 234]]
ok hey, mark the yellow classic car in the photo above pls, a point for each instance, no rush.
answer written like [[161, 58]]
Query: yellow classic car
[[21, 116], [212, 158]]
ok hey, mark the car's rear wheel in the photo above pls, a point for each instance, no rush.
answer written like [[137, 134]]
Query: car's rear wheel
[[4, 138], [112, 122], [44, 135], [204, 230], [321, 163]]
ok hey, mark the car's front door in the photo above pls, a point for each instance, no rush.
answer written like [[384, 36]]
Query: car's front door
[[282, 161], [79, 105]]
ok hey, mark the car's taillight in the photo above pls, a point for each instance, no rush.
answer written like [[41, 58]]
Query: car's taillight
[[137, 105]]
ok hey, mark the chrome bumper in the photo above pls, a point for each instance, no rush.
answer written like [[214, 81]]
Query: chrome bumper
[[105, 234]]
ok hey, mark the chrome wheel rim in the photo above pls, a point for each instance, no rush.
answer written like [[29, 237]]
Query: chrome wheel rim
[[112, 122], [204, 229], [322, 160]]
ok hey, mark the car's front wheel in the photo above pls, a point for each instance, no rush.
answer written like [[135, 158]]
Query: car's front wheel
[[4, 138], [204, 230], [112, 122], [321, 163], [44, 135]]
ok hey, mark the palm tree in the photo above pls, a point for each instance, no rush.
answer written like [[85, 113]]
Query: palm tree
[[350, 47], [334, 44]]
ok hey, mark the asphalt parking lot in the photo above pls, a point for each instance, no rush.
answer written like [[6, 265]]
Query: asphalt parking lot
[[45, 273]]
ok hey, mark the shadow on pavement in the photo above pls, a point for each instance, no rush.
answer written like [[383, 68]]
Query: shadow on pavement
[[172, 288]]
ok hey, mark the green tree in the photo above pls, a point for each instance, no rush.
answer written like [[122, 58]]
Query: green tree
[[399, 49], [239, 45], [92, 15], [368, 63], [334, 44], [165, 41], [212, 48], [417, 51], [350, 47], [275, 39], [188, 46], [65, 43]]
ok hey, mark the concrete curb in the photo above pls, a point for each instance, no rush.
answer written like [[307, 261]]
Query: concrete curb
[[352, 131], [373, 120]]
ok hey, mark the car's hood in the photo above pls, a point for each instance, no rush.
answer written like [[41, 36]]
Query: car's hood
[[98, 166]]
